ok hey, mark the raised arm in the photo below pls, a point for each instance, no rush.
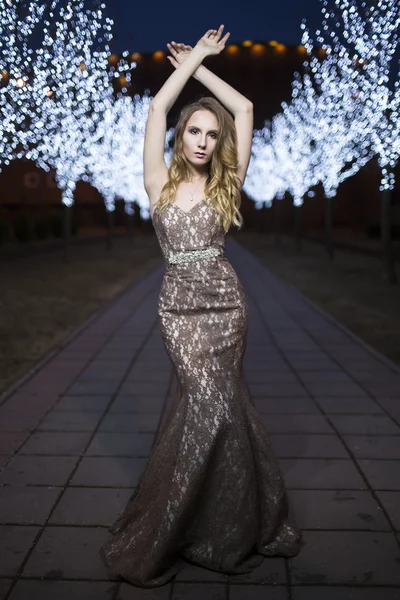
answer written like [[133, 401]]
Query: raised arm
[[155, 169], [236, 103]]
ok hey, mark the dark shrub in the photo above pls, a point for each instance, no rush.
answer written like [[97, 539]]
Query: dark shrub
[[5, 232], [42, 229], [23, 229], [57, 225]]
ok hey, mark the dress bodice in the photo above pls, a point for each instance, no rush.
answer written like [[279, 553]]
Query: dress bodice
[[197, 229]]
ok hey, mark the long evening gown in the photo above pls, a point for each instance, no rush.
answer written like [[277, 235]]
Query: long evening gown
[[212, 492]]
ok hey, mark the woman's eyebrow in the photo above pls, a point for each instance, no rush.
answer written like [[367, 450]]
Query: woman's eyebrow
[[199, 128]]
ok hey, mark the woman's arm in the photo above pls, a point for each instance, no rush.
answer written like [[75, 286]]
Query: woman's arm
[[231, 98], [167, 95], [234, 101], [209, 44]]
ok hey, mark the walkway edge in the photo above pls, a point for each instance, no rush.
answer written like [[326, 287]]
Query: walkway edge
[[58, 347]]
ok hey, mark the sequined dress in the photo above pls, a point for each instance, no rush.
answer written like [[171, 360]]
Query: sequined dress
[[212, 492]]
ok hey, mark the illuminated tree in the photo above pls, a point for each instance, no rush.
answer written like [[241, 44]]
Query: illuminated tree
[[116, 157], [364, 39], [18, 20], [71, 70]]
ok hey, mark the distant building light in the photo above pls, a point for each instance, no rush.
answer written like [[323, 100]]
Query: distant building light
[[280, 48], [273, 43], [302, 49], [136, 56], [82, 66], [232, 49], [158, 55], [247, 43], [113, 59], [258, 49]]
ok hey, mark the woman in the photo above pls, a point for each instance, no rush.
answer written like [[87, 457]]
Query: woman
[[212, 492]]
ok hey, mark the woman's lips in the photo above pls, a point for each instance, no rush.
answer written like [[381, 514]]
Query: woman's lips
[[199, 154]]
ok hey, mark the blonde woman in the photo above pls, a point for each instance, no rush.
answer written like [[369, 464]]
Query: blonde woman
[[212, 493]]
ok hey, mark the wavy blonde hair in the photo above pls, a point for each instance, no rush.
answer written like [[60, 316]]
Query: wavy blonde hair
[[222, 185]]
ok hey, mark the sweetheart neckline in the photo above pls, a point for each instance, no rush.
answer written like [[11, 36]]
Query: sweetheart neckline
[[181, 209]]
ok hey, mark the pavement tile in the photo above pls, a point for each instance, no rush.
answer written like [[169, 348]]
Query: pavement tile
[[334, 388], [63, 590], [113, 377], [82, 404], [271, 390], [133, 404], [138, 376], [258, 592], [285, 406], [342, 509], [391, 503], [90, 506], [135, 422], [10, 441], [347, 557], [364, 424], [348, 405], [121, 444], [266, 377], [192, 572], [296, 423], [333, 375], [143, 388], [271, 571], [38, 470], [11, 420], [98, 388], [381, 474], [52, 555], [113, 471], [375, 446], [324, 473], [345, 593], [27, 504], [308, 446], [316, 364], [133, 592], [70, 421], [4, 587], [199, 591], [15, 542], [56, 444]]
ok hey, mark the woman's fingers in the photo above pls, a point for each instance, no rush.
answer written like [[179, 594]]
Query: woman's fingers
[[224, 38]]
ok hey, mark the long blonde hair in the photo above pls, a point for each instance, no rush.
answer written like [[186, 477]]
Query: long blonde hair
[[222, 185]]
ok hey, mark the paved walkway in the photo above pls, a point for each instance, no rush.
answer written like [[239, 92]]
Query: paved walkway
[[76, 435]]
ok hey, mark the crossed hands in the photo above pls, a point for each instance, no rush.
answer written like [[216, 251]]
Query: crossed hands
[[211, 42]]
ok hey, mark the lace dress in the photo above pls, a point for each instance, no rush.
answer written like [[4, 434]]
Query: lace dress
[[212, 492]]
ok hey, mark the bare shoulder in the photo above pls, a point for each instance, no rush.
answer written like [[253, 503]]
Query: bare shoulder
[[154, 191]]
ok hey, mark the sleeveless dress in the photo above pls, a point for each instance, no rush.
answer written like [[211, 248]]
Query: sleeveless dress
[[212, 492]]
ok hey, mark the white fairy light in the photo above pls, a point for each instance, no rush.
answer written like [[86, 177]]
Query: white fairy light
[[57, 87], [115, 162], [75, 69], [363, 39], [263, 180]]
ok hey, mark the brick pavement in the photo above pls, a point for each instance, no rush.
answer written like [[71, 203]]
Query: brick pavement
[[76, 435]]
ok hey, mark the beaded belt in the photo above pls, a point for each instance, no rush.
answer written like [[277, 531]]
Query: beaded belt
[[192, 255]]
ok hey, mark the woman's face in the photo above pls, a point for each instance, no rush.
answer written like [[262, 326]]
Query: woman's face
[[200, 136]]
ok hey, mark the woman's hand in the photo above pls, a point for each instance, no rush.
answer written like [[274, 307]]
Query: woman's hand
[[211, 42], [179, 53]]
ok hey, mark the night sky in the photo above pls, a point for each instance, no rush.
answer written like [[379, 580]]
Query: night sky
[[147, 26]]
